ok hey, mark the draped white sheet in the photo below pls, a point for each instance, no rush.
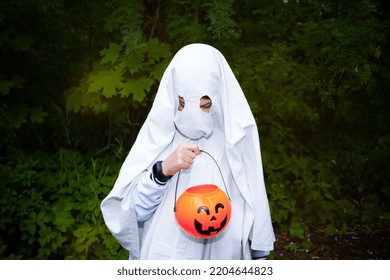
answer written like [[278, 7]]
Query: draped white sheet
[[195, 71]]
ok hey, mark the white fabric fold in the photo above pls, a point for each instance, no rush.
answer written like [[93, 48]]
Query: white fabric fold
[[147, 196]]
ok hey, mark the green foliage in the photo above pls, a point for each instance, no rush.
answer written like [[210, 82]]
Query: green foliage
[[52, 205], [309, 80], [121, 75], [6, 85], [302, 190], [219, 15], [129, 68]]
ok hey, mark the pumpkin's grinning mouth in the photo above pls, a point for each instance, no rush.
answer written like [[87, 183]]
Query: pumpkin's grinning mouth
[[211, 229]]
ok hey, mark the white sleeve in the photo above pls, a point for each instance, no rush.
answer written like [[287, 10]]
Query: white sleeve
[[147, 195]]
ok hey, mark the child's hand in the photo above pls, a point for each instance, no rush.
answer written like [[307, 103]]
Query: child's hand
[[181, 158]]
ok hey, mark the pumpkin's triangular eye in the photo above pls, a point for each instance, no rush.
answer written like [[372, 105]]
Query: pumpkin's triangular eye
[[204, 208], [219, 205]]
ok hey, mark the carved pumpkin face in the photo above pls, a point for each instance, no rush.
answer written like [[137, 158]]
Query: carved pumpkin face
[[203, 211]]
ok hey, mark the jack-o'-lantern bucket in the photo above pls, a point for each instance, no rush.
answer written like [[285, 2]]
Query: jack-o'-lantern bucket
[[203, 211]]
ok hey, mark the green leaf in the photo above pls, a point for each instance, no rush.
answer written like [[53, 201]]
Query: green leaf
[[83, 232], [76, 102], [20, 118], [78, 99], [297, 229], [133, 62], [6, 85], [111, 54], [137, 88], [108, 82], [157, 50], [37, 115], [158, 70]]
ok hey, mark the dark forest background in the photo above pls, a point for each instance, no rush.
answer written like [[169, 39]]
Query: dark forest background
[[77, 79]]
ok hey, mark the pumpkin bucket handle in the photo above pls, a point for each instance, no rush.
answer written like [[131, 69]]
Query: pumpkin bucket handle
[[220, 172]]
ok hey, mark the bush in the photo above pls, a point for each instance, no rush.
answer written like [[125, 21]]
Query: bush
[[51, 207]]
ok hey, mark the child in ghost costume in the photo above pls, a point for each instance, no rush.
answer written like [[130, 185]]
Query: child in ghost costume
[[139, 210]]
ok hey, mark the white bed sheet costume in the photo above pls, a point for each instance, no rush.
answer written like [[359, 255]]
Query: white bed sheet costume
[[139, 212]]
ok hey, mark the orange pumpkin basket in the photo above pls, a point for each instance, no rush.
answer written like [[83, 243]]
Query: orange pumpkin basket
[[203, 211]]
